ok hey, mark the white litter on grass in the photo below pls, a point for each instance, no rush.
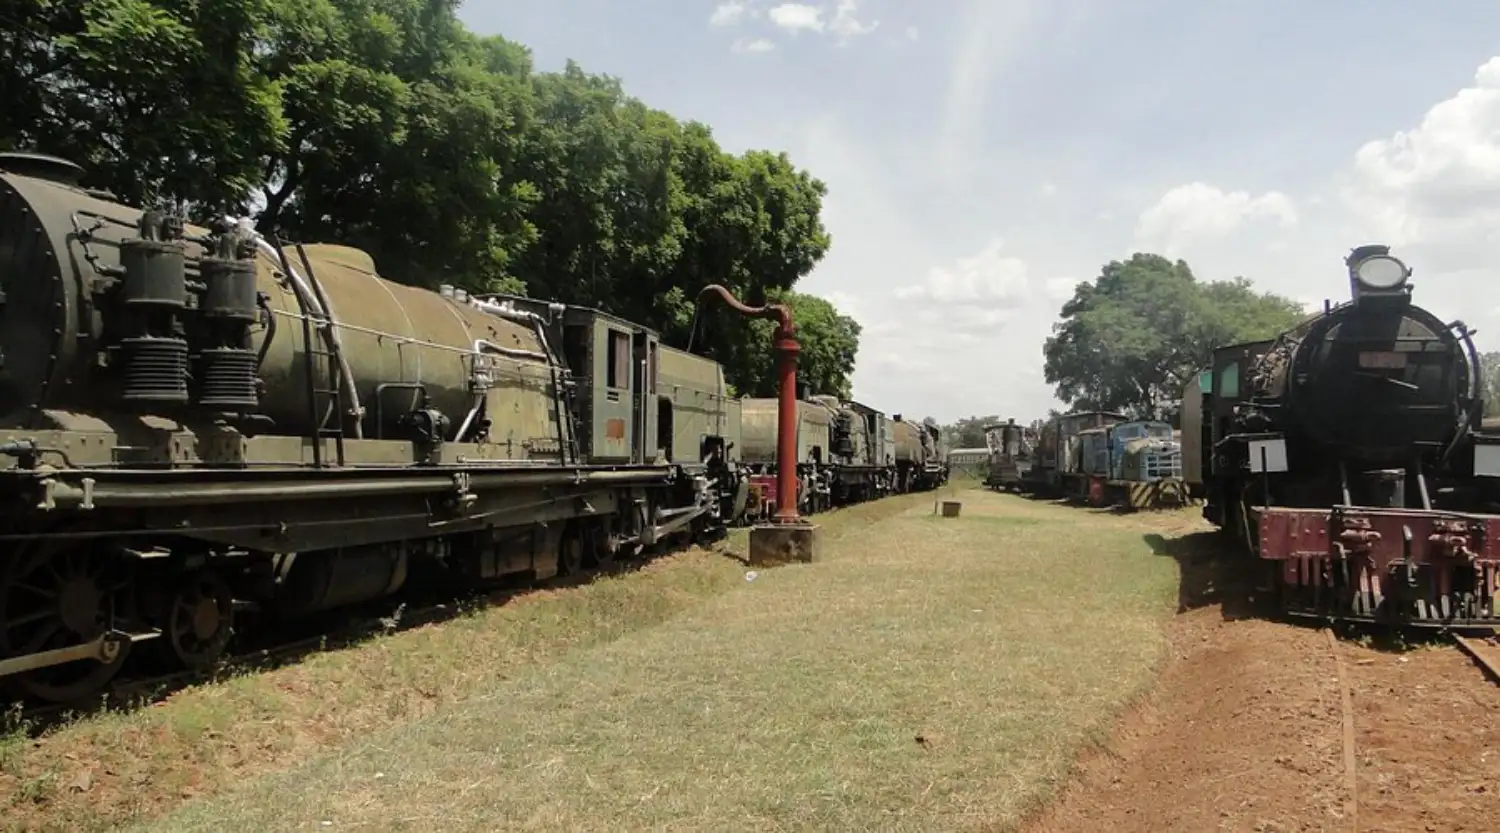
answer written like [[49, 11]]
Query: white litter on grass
[[751, 576]]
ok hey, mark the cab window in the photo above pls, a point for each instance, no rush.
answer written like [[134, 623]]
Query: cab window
[[1229, 381], [618, 369]]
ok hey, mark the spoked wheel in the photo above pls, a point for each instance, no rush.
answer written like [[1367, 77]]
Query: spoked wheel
[[570, 553], [197, 619], [599, 549], [60, 595], [630, 523]]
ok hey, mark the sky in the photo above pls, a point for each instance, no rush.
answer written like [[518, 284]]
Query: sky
[[984, 157]]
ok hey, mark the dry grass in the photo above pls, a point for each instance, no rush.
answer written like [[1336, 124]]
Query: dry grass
[[928, 674], [130, 766]]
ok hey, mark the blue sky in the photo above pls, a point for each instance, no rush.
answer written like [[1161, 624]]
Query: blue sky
[[983, 157]]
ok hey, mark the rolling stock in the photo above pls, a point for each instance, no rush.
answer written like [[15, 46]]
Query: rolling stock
[[1010, 456], [1348, 455], [203, 429]]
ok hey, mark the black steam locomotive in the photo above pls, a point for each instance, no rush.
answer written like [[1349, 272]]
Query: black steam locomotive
[[1348, 454]]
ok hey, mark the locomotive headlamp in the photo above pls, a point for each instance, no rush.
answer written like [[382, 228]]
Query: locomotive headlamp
[[1381, 272]]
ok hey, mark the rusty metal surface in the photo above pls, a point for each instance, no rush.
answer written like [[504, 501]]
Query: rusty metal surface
[[787, 348], [1368, 563]]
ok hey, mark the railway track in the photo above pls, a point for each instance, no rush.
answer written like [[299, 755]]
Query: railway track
[[1346, 698], [1484, 650]]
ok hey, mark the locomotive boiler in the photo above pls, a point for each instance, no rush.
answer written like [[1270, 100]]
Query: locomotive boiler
[[1346, 454], [920, 456], [198, 420]]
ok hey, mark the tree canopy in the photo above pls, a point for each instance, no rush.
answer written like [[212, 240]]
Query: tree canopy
[[1489, 364], [385, 124], [1134, 337]]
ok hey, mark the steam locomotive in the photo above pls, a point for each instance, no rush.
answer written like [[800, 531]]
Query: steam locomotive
[[847, 452], [198, 423], [1348, 455]]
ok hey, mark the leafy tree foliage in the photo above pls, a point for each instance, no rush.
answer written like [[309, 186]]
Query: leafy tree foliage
[[384, 124], [969, 431], [1490, 364], [1131, 339]]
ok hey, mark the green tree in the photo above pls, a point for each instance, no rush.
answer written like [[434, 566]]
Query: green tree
[[159, 100], [969, 431], [1133, 338], [386, 125], [829, 342], [1489, 364]]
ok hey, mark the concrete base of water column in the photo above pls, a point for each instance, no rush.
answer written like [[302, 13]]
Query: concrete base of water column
[[773, 544]]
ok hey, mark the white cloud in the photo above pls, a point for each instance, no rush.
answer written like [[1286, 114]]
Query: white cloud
[[912, 33], [1195, 212], [1047, 190], [846, 303], [936, 347], [751, 46], [1436, 187], [1061, 289], [728, 13], [845, 25], [988, 279], [797, 17]]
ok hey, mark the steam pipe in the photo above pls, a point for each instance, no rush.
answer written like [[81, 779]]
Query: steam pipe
[[787, 349]]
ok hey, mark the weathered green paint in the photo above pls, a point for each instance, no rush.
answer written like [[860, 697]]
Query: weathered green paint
[[691, 400]]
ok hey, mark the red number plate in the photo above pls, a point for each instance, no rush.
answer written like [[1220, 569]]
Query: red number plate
[[1382, 360]]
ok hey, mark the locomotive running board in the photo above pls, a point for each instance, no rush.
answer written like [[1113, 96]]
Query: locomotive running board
[[106, 648]]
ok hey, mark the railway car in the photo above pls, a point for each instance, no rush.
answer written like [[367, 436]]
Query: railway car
[[864, 451], [1009, 456], [1056, 464], [1136, 464], [1348, 455], [921, 456], [199, 422], [758, 434], [936, 468], [911, 456]]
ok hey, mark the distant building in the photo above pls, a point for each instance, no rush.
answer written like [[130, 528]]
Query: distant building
[[968, 462]]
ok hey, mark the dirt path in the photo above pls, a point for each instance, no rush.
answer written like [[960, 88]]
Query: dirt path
[[1245, 733]]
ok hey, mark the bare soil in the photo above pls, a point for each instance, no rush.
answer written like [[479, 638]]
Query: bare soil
[[1244, 731]]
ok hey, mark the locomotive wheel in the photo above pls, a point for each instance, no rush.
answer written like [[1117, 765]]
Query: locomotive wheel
[[58, 596], [197, 620], [570, 553], [596, 547]]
